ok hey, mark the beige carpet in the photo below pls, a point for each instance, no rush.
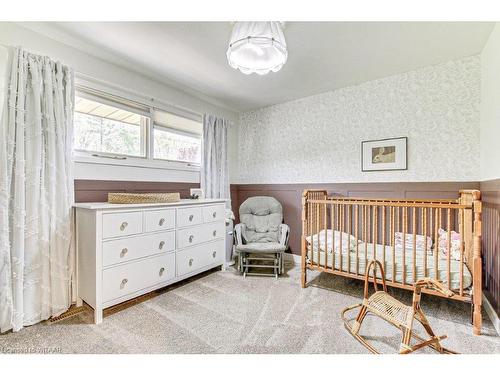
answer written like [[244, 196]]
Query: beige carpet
[[220, 312]]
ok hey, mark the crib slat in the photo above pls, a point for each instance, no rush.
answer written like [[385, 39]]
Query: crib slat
[[448, 245], [349, 226], [414, 231], [337, 227], [441, 226], [309, 212], [393, 244], [341, 230], [372, 219], [370, 224], [317, 235], [337, 217], [436, 241], [384, 229], [325, 228], [398, 219], [405, 230], [461, 229], [365, 229], [431, 227], [332, 219], [356, 230], [424, 226], [375, 230]]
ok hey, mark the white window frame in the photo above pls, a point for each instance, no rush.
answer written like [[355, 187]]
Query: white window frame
[[179, 132], [118, 156], [147, 161]]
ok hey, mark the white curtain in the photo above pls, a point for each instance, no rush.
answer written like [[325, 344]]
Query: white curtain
[[36, 191], [214, 173]]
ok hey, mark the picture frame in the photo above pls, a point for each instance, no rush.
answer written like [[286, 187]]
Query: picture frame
[[197, 192], [389, 154]]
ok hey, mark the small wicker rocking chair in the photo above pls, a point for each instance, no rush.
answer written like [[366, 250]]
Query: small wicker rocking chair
[[383, 305]]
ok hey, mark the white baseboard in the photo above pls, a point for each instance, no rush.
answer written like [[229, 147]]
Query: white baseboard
[[492, 314]]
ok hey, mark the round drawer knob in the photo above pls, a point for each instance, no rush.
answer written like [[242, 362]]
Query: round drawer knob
[[214, 214], [162, 270], [191, 217], [123, 226], [123, 252], [214, 233], [161, 222], [124, 281], [162, 243], [214, 254], [191, 238], [191, 262]]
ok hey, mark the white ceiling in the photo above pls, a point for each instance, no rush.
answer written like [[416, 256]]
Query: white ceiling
[[322, 56]]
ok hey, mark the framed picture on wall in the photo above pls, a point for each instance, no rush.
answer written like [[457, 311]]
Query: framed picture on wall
[[384, 154]]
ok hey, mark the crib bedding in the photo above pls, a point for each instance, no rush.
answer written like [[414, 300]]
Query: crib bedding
[[349, 264]]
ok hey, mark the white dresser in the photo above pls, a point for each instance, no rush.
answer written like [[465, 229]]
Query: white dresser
[[126, 250]]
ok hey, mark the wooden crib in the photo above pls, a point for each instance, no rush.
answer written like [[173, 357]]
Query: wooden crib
[[341, 235]]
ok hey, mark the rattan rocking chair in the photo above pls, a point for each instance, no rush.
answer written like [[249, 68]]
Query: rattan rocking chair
[[383, 305]]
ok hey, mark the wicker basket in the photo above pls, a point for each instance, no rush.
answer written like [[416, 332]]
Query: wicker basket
[[132, 198]]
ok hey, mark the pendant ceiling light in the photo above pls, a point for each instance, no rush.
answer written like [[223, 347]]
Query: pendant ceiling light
[[257, 47]]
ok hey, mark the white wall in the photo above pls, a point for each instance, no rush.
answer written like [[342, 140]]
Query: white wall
[[318, 138], [14, 35], [490, 107]]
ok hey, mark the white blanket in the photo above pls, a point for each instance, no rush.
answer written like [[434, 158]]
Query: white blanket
[[402, 271]]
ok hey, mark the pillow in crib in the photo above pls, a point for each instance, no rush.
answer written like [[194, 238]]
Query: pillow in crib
[[347, 244], [454, 245], [419, 242]]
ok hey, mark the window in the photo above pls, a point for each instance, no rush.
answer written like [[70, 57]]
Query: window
[[109, 129], [134, 134], [176, 138]]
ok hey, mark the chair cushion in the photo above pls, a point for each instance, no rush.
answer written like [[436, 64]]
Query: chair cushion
[[262, 217], [261, 247]]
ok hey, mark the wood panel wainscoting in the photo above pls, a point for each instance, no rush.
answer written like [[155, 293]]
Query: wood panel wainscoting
[[97, 191], [490, 192], [290, 196]]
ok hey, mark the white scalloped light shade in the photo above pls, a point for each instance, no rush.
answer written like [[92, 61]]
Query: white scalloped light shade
[[257, 47]]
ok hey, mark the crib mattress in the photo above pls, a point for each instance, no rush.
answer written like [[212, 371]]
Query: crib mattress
[[350, 264]]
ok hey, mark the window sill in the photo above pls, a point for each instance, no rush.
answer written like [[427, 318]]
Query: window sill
[[133, 169], [136, 163]]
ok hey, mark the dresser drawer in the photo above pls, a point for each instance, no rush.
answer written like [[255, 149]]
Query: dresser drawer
[[189, 216], [129, 278], [121, 224], [213, 213], [196, 257], [125, 249], [214, 230], [159, 220], [200, 233]]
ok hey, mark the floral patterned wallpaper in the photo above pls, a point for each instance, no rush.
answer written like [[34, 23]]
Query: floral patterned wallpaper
[[318, 138]]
